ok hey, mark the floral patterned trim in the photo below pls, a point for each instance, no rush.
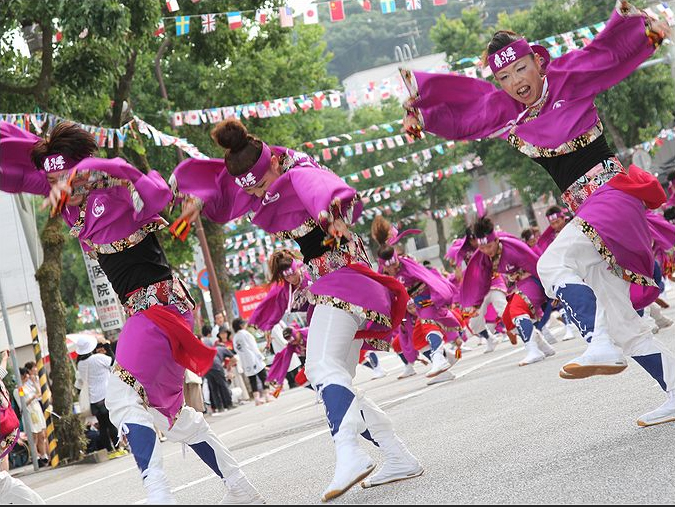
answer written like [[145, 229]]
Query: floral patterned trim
[[410, 83], [131, 240], [378, 344], [301, 297], [166, 292], [575, 144], [497, 259], [447, 329], [8, 442], [359, 311], [178, 196], [595, 177], [517, 275], [607, 255], [529, 304], [348, 253], [301, 230]]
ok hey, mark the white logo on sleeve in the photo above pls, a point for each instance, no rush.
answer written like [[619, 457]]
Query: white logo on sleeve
[[558, 104], [98, 208]]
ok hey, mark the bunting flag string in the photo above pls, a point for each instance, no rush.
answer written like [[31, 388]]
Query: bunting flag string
[[364, 147], [326, 141], [418, 157], [42, 123], [262, 109]]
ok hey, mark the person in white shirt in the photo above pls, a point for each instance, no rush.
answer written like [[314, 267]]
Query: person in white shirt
[[252, 360], [93, 373]]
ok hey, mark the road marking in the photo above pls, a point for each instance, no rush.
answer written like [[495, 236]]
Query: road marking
[[108, 476], [324, 431]]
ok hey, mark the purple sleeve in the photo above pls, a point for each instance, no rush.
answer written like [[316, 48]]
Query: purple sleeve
[[460, 107], [149, 192], [17, 171], [613, 55], [207, 181], [271, 309], [325, 196], [476, 281]]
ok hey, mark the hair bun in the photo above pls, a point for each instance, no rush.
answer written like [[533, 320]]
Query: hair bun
[[231, 135]]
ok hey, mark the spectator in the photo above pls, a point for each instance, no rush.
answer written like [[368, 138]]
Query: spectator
[[93, 374], [206, 338], [221, 398], [252, 361], [12, 490], [225, 338], [192, 391], [36, 418], [279, 338], [220, 322]]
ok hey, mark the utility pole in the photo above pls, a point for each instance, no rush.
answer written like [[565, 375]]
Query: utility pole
[[214, 288]]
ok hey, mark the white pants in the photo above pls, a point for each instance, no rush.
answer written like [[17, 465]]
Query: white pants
[[497, 299], [573, 260], [332, 351], [14, 491], [129, 415]]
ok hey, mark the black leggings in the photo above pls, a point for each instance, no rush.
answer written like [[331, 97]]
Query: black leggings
[[258, 381], [106, 429]]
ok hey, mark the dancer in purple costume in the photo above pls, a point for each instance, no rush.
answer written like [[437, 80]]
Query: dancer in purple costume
[[545, 109]]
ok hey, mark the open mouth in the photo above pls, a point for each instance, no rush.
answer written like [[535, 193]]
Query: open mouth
[[524, 91]]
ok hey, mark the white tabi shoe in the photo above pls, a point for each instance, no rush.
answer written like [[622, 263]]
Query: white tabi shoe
[[665, 413], [378, 372], [534, 355], [408, 371], [399, 465], [570, 332], [543, 344], [241, 491], [352, 466], [442, 377], [439, 364], [492, 342], [600, 358], [548, 336]]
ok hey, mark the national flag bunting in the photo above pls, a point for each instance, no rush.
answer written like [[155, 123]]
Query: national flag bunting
[[337, 11], [440, 2], [413, 5], [182, 25], [260, 17], [208, 23], [160, 29], [286, 16], [172, 5], [388, 6], [365, 4], [311, 15], [234, 20]]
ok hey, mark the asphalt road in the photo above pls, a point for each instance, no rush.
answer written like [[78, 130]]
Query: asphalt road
[[499, 433]]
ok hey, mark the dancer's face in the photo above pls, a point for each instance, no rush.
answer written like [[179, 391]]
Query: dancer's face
[[522, 79], [270, 177], [490, 248], [293, 279], [392, 269], [558, 223], [62, 176]]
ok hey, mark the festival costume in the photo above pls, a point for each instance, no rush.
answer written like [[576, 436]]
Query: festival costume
[[116, 222], [518, 263], [434, 323], [494, 303], [562, 132], [350, 300]]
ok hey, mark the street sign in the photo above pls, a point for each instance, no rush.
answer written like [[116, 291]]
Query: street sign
[[203, 279]]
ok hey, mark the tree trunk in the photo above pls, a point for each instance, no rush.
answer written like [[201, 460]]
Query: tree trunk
[[122, 94], [69, 428], [215, 237]]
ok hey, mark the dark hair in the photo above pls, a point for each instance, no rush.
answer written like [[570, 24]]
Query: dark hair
[[67, 139], [499, 40], [426, 263], [206, 330], [23, 371], [671, 176], [287, 333], [468, 233], [29, 365], [242, 150], [527, 235], [553, 210], [238, 324], [669, 213], [379, 230], [483, 227], [280, 261]]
